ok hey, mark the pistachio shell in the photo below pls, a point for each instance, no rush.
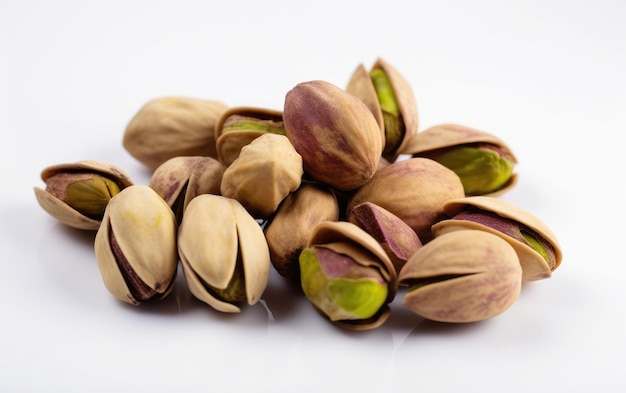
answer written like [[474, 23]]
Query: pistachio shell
[[334, 132], [414, 190], [60, 209], [144, 230], [449, 135], [361, 86], [266, 171], [534, 265], [180, 179], [168, 127], [289, 229], [217, 236], [230, 142], [462, 276]]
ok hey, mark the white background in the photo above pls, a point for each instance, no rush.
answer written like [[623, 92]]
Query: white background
[[546, 76]]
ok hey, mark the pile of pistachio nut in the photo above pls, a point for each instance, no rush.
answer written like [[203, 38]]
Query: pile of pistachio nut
[[338, 192]]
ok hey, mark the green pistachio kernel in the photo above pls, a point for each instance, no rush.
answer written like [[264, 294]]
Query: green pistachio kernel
[[235, 291], [91, 196], [341, 289], [390, 108], [237, 122], [537, 246], [482, 169]]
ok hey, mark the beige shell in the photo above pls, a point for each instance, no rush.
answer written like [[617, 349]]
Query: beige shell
[[189, 176], [361, 86], [145, 231], [229, 144], [168, 127], [61, 210], [449, 135], [266, 171], [288, 231], [533, 264], [347, 238], [462, 276], [414, 190], [215, 235]]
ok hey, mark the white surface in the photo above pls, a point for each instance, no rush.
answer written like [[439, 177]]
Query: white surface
[[546, 76]]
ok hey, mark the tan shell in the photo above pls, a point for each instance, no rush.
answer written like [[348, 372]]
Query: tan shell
[[462, 276], [229, 144], [533, 264], [145, 230], [169, 127], [449, 135], [415, 190], [266, 171], [216, 233], [361, 86], [288, 231], [61, 210], [193, 175], [346, 238]]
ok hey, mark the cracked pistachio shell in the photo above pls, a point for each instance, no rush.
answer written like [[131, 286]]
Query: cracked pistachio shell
[[516, 222], [435, 140], [224, 255], [414, 190], [397, 238], [239, 126], [266, 171], [288, 231], [136, 246], [169, 127], [462, 276], [58, 201], [335, 133], [180, 179], [362, 86], [332, 245]]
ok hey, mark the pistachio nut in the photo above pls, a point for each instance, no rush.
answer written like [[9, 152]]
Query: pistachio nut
[[347, 276], [536, 245], [484, 162], [224, 255], [414, 190], [462, 276], [288, 231], [136, 246], [239, 126], [180, 179], [77, 193], [169, 127], [335, 133], [390, 98], [266, 171], [397, 238]]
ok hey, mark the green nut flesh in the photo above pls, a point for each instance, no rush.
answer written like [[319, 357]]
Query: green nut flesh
[[394, 127], [482, 168], [91, 196], [339, 287], [237, 122]]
